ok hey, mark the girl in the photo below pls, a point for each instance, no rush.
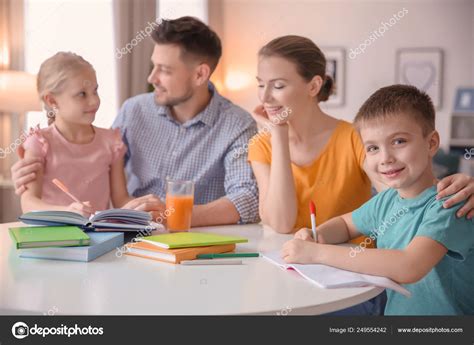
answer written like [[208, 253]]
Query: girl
[[87, 159]]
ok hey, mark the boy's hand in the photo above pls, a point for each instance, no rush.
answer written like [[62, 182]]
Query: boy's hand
[[83, 208], [300, 252], [305, 234]]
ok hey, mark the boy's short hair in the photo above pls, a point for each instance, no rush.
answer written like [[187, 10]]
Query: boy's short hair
[[396, 99], [193, 36]]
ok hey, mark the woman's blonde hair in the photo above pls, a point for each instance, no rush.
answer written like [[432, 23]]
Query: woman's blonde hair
[[53, 74]]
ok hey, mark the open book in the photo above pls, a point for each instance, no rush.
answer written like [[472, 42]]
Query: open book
[[117, 219], [330, 277]]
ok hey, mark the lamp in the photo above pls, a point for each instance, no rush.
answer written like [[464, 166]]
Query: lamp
[[18, 92], [18, 95]]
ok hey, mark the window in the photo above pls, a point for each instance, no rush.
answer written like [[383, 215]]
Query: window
[[84, 27]]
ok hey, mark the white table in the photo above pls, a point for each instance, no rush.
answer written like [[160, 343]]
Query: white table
[[130, 285]]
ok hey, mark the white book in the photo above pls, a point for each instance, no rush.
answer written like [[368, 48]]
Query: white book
[[330, 277]]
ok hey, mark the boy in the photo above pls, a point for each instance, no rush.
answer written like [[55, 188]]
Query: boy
[[419, 242]]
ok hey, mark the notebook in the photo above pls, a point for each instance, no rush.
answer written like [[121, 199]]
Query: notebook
[[109, 220], [330, 277], [175, 256], [190, 239], [100, 243], [48, 236]]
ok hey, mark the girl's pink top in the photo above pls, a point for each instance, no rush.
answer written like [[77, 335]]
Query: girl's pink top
[[83, 168]]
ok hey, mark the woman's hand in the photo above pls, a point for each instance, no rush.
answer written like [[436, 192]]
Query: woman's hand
[[461, 187], [301, 252], [305, 234], [270, 122], [83, 208]]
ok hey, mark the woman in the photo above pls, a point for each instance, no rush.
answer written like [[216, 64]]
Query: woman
[[306, 154]]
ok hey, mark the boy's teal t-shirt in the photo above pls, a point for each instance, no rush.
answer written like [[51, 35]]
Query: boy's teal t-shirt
[[448, 289]]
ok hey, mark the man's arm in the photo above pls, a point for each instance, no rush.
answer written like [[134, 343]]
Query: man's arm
[[218, 212], [239, 183]]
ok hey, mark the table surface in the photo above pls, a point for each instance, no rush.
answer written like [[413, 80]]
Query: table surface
[[127, 285]]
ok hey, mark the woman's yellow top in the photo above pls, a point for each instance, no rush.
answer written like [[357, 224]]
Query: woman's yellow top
[[335, 181]]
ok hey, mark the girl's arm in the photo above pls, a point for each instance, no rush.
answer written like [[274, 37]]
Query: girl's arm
[[118, 184], [403, 266], [31, 197], [277, 193]]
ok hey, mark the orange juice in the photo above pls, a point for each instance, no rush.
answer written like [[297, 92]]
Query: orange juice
[[181, 209]]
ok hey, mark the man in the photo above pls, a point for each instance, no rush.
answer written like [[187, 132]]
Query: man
[[185, 130]]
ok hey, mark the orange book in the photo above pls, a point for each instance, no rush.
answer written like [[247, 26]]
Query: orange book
[[175, 256]]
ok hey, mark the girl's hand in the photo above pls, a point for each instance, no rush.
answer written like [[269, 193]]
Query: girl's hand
[[305, 234], [299, 251], [462, 186], [83, 208]]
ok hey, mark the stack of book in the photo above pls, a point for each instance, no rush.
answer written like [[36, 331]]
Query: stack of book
[[177, 247], [63, 242]]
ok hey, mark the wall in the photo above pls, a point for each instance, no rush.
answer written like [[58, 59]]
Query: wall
[[447, 24]]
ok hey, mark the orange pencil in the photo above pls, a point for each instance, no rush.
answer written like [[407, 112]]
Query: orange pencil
[[61, 186]]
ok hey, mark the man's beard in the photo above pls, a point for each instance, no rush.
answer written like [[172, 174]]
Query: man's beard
[[172, 102]]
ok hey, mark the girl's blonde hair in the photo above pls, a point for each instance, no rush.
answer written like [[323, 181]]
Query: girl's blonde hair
[[53, 74]]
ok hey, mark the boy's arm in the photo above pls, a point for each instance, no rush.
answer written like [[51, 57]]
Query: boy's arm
[[403, 266], [336, 230]]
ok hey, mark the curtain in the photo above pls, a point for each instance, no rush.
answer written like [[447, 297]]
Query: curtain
[[133, 22], [11, 58]]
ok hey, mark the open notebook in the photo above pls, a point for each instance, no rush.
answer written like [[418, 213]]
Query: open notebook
[[330, 277], [108, 220]]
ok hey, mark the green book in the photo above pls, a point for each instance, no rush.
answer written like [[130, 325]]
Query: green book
[[49, 236], [190, 239]]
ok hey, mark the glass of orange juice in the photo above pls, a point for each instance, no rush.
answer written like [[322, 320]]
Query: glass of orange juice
[[179, 202]]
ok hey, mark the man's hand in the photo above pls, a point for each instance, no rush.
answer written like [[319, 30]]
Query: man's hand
[[461, 188], [24, 171], [148, 203]]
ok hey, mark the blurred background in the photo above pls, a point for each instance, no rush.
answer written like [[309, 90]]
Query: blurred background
[[368, 44]]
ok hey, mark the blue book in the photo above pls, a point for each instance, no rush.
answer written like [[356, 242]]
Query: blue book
[[101, 243]]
